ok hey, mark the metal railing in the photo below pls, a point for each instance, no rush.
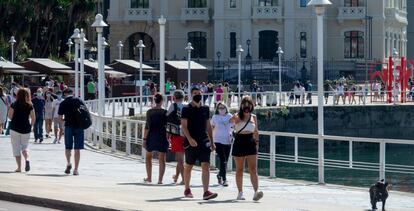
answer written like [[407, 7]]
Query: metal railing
[[127, 135]]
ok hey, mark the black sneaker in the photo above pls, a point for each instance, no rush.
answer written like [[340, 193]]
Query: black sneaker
[[41, 140], [27, 167], [225, 184], [68, 168], [219, 180]]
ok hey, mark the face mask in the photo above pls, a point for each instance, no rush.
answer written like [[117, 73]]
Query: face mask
[[39, 94], [59, 97], [222, 112], [49, 95], [180, 105], [197, 98]]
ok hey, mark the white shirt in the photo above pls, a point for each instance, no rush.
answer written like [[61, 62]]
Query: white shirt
[[55, 105], [222, 128]]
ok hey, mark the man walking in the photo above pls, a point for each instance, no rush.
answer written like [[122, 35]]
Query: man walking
[[91, 90], [39, 108], [195, 122], [74, 134]]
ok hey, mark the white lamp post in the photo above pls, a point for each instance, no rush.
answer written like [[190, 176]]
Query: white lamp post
[[280, 53], [99, 25], [76, 38], [120, 46], [141, 47], [189, 48], [239, 51], [320, 10], [162, 22], [12, 41], [83, 40], [69, 44]]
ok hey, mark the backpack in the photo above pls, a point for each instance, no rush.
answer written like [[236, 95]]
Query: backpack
[[83, 117], [174, 121]]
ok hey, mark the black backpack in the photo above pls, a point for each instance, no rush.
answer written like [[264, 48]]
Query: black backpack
[[83, 117], [174, 121]]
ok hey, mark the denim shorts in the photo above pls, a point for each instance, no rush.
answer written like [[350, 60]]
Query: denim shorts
[[74, 138]]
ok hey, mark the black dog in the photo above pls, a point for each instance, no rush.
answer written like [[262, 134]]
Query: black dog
[[379, 192]]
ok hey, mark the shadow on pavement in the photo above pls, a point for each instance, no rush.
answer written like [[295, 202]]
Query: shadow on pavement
[[228, 201], [181, 198], [48, 175], [146, 184], [7, 172]]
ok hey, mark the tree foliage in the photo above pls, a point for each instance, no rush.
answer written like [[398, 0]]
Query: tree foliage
[[41, 27]]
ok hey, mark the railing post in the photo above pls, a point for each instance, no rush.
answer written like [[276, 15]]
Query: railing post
[[321, 162], [143, 150], [128, 138], [123, 106], [296, 150], [113, 108], [272, 156], [351, 157], [382, 160], [97, 131], [113, 141]]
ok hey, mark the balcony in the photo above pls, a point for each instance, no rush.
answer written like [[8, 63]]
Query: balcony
[[351, 13], [396, 15], [195, 14], [267, 12], [138, 14]]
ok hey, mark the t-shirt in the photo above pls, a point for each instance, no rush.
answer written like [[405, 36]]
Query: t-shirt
[[167, 87], [91, 88], [68, 108], [20, 120], [197, 118], [222, 128], [39, 106], [55, 106]]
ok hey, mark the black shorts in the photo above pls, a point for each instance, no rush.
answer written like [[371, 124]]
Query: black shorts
[[297, 96], [244, 145], [200, 153]]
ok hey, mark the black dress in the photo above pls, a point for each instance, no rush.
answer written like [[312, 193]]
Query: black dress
[[156, 124]]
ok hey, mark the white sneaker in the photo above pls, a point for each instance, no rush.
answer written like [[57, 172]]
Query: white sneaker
[[258, 195], [240, 196], [55, 141]]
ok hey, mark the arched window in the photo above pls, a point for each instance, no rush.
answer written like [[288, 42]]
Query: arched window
[[354, 45], [268, 3], [139, 3], [199, 41], [197, 3], [303, 44]]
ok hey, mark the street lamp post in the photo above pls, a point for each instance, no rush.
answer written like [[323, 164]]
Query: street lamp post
[[280, 53], [218, 54], [239, 51], [12, 41], [161, 22], [319, 6], [120, 46], [76, 38], [69, 44], [99, 25], [83, 40], [141, 47], [189, 48]]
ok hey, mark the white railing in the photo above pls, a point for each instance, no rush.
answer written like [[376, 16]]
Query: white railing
[[138, 14], [267, 12], [351, 13], [128, 134], [190, 14]]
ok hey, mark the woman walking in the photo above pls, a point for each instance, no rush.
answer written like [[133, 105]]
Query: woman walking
[[155, 138], [20, 112], [48, 112], [245, 146], [3, 110], [220, 122]]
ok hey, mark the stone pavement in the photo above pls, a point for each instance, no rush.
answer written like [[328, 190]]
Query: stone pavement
[[115, 181]]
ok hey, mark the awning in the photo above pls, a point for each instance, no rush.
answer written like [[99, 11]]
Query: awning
[[19, 72], [46, 66], [7, 67], [132, 67], [115, 74], [183, 65]]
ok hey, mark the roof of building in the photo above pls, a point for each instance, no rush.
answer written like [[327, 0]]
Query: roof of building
[[183, 65], [46, 66], [133, 64], [94, 65]]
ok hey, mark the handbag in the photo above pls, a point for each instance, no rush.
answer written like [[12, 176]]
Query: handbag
[[236, 133]]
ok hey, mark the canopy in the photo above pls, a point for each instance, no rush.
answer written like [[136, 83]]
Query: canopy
[[183, 65], [132, 67], [46, 66], [14, 69], [115, 74]]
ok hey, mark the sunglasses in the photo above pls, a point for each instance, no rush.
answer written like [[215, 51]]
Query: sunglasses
[[221, 108]]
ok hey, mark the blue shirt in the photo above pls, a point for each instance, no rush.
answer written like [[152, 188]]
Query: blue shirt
[[39, 106]]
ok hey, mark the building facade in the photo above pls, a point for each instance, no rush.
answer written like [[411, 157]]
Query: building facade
[[355, 30]]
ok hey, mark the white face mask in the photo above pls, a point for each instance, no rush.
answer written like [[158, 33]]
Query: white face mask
[[222, 112]]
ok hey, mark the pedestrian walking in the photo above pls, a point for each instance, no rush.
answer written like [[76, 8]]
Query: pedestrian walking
[[175, 135], [155, 138], [57, 124], [195, 121], [91, 90], [48, 112], [74, 134], [222, 128], [245, 146], [3, 110], [20, 112], [39, 108]]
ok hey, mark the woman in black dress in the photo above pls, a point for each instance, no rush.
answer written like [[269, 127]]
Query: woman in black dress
[[155, 138]]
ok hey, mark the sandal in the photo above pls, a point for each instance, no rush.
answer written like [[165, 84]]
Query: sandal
[[68, 168], [76, 173], [146, 180], [17, 171]]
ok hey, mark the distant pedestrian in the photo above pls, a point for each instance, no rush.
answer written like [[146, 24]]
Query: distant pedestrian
[[20, 112], [57, 124], [245, 146], [74, 134], [155, 138], [48, 112], [4, 106], [39, 108], [222, 128], [91, 90], [219, 94]]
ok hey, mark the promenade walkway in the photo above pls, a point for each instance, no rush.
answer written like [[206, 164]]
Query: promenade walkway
[[115, 181]]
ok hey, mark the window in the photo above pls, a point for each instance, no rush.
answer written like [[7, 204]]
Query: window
[[268, 44], [139, 3], [303, 43], [199, 41], [233, 4], [233, 45], [197, 3], [352, 3], [354, 45], [303, 3], [268, 3]]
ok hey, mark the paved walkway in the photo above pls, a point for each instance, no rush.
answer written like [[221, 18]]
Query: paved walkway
[[115, 181]]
